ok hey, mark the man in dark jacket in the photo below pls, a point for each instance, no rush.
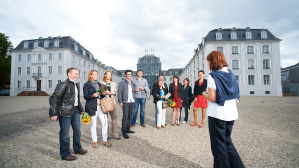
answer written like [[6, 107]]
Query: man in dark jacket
[[165, 89], [66, 107]]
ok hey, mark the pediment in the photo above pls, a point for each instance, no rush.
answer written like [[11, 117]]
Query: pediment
[[39, 49]]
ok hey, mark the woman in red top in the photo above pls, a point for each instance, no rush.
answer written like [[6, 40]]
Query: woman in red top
[[176, 91], [199, 101]]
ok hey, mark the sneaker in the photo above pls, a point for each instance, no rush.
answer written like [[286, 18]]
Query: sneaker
[[184, 122]]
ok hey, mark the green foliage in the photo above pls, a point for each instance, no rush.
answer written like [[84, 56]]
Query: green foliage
[[5, 60]]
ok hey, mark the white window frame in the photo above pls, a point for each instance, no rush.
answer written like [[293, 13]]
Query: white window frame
[[218, 36], [268, 81], [19, 57], [74, 58], [76, 47], [234, 68], [19, 71], [59, 69], [35, 44], [248, 49], [250, 83], [84, 52], [219, 49], [59, 56], [26, 44], [248, 35], [50, 84], [39, 57], [27, 83], [19, 84], [233, 50], [263, 34], [28, 70], [269, 63], [56, 43], [265, 52], [28, 57], [50, 70], [233, 35], [84, 63], [46, 44], [250, 66]]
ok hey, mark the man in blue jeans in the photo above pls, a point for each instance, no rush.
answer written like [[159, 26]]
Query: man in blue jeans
[[66, 107], [141, 87], [165, 89]]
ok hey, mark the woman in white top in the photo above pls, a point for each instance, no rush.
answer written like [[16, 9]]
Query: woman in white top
[[222, 111]]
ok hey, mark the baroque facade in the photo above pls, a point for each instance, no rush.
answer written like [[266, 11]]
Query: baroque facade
[[40, 64], [252, 54]]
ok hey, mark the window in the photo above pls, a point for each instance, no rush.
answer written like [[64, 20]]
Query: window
[[79, 61], [35, 44], [84, 63], [266, 79], [28, 84], [267, 92], [18, 84], [89, 65], [235, 50], [164, 78], [79, 73], [176, 72], [248, 35], [74, 58], [170, 78], [252, 92], [49, 69], [164, 73], [84, 75], [56, 43], [263, 34], [92, 66], [233, 35], [50, 56], [39, 71], [220, 49], [19, 70], [26, 44], [170, 72], [39, 57], [250, 50], [235, 64], [46, 44], [251, 80], [237, 77], [28, 57], [218, 36], [58, 81], [28, 70], [19, 57], [59, 56], [251, 64], [59, 69], [84, 52], [265, 49], [266, 64], [76, 47], [49, 84]]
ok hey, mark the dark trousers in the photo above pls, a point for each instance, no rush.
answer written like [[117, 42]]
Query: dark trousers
[[128, 109], [224, 152], [64, 138]]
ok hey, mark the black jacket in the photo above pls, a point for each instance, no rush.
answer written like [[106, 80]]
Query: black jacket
[[91, 102], [63, 99], [187, 94], [172, 90], [155, 87], [156, 94], [199, 89]]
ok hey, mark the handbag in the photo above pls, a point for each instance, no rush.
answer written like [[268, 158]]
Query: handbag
[[165, 105], [107, 105]]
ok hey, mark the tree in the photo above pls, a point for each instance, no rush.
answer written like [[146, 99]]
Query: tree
[[5, 60]]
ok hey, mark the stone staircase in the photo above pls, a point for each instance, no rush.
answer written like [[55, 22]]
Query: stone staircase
[[33, 93]]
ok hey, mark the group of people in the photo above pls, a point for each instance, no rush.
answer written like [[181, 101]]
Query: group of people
[[216, 96]]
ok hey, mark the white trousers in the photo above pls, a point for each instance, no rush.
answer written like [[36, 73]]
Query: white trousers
[[161, 114], [93, 125]]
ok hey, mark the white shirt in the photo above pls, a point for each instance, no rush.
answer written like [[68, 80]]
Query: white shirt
[[130, 93], [76, 93], [228, 112]]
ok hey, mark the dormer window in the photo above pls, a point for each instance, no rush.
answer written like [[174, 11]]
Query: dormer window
[[84, 52], [76, 47], [26, 44], [46, 43], [263, 34], [56, 43], [248, 35], [218, 36], [36, 44], [233, 35]]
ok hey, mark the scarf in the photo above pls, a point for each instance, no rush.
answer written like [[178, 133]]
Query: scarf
[[95, 85]]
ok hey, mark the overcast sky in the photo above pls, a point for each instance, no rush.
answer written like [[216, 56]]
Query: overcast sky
[[118, 32]]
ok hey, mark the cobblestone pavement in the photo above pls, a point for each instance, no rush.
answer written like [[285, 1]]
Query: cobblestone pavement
[[265, 135]]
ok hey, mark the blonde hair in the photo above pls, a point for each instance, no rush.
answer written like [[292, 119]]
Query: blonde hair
[[104, 78], [89, 75]]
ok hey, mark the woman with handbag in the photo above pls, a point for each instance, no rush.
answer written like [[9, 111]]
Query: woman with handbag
[[111, 93], [159, 96], [93, 108], [176, 91]]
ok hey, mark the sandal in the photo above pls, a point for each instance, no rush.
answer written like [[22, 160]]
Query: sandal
[[193, 124], [201, 125]]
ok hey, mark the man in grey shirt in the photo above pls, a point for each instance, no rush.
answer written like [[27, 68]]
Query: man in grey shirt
[[140, 84], [126, 101]]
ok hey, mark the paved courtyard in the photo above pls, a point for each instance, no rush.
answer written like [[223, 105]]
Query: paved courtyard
[[266, 135]]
